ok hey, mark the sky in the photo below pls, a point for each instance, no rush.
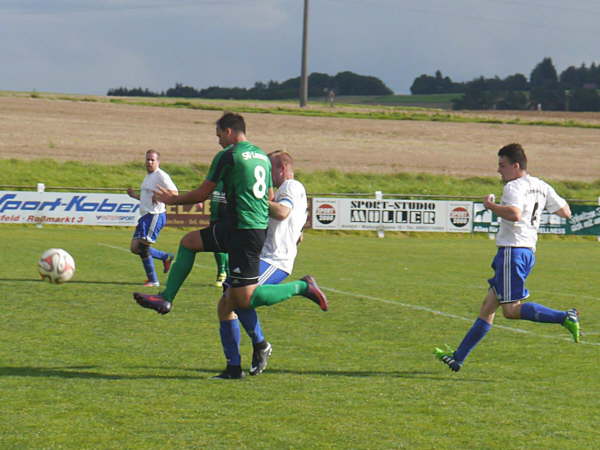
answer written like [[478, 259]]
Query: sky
[[91, 46]]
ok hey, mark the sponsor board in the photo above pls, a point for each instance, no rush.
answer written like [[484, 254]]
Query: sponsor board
[[195, 216], [68, 208], [391, 215], [585, 221]]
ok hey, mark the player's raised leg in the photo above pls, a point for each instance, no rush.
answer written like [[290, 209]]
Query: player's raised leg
[[190, 244]]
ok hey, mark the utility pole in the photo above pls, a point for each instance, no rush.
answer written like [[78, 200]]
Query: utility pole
[[303, 75]]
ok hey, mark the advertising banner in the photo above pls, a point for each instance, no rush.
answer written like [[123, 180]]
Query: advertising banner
[[391, 215], [68, 208], [585, 221]]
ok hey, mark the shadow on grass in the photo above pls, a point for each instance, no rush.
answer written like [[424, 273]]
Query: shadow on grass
[[88, 372], [84, 372], [34, 280]]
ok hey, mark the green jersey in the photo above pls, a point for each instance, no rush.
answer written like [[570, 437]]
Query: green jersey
[[245, 172], [218, 202]]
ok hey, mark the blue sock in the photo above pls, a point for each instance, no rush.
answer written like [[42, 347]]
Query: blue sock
[[478, 330], [251, 324], [540, 313], [149, 268], [158, 254], [230, 339]]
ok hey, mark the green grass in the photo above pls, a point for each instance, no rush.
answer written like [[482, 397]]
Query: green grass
[[76, 174], [380, 111], [84, 367]]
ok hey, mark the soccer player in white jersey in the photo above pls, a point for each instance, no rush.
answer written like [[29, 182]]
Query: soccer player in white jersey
[[153, 218], [287, 216], [523, 199]]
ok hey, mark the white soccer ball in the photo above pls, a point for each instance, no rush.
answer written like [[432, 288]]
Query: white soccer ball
[[56, 266]]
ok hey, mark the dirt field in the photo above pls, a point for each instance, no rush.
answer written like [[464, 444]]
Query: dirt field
[[111, 133]]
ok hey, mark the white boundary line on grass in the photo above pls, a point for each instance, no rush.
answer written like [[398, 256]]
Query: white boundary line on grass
[[451, 316], [406, 305], [127, 250]]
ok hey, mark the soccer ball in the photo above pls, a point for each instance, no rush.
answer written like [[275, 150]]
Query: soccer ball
[[56, 266]]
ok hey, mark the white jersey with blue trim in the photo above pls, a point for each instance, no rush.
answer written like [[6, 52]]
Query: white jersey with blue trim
[[280, 247], [157, 178], [531, 195]]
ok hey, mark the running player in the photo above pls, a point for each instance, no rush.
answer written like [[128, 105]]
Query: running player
[[153, 218], [523, 199]]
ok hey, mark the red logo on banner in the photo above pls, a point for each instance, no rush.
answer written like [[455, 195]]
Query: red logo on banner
[[325, 214]]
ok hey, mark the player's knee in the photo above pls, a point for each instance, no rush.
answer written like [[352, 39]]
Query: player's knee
[[192, 241], [511, 313], [144, 251]]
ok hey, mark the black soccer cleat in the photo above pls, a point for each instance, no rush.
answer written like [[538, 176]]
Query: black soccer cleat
[[230, 373], [314, 293], [260, 357], [153, 301]]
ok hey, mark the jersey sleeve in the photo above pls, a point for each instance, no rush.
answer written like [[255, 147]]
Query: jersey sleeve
[[286, 195], [554, 202], [221, 160], [167, 182], [513, 195]]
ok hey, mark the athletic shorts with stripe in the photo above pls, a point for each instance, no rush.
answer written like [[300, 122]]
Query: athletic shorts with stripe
[[149, 226], [267, 274], [243, 247], [511, 267]]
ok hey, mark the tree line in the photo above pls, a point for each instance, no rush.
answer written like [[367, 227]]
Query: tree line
[[575, 89], [319, 85]]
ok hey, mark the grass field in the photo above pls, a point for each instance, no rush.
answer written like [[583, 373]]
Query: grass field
[[84, 367]]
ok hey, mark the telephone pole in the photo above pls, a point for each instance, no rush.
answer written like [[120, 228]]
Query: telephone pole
[[303, 75]]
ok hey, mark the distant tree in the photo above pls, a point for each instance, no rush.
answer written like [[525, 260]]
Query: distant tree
[[437, 84], [350, 83], [551, 97], [573, 77], [543, 74], [133, 92], [581, 99], [182, 91], [516, 82], [516, 100]]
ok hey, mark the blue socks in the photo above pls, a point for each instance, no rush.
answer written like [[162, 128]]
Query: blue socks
[[230, 339], [540, 313], [158, 254], [149, 268], [251, 324], [478, 330]]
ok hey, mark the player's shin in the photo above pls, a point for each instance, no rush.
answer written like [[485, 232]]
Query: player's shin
[[179, 271], [540, 313], [230, 339], [148, 263], [475, 334], [271, 294], [250, 322]]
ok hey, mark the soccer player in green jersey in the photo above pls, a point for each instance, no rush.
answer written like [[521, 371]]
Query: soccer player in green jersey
[[218, 204], [245, 171]]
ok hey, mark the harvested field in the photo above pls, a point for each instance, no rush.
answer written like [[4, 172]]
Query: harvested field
[[112, 133]]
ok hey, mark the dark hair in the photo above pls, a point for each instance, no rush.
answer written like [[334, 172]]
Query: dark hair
[[153, 151], [515, 154], [233, 121]]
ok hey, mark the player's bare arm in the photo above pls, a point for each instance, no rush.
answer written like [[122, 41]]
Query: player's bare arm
[[131, 192], [189, 198], [507, 212], [279, 211], [564, 212]]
